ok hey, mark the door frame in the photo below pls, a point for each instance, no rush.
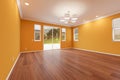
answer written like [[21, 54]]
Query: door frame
[[52, 34]]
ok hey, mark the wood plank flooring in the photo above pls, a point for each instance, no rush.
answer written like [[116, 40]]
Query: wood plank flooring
[[68, 64]]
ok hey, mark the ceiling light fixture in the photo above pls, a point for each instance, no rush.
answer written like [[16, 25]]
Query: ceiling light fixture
[[67, 18], [27, 4]]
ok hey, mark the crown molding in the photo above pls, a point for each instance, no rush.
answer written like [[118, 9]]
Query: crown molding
[[104, 16], [20, 8]]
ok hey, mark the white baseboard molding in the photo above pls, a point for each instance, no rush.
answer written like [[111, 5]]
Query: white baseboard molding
[[13, 67], [98, 52], [43, 50], [67, 48], [31, 51]]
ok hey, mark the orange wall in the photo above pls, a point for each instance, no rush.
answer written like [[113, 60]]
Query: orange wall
[[97, 36], [9, 36], [27, 36]]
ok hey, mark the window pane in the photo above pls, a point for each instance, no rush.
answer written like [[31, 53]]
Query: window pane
[[37, 29], [48, 35], [117, 34], [56, 35], [76, 31], [76, 34], [37, 36], [63, 34], [116, 23]]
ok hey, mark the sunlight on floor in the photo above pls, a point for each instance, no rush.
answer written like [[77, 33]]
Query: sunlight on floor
[[51, 46]]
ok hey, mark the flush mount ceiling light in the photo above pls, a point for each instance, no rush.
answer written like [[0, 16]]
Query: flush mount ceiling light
[[68, 18], [69, 11]]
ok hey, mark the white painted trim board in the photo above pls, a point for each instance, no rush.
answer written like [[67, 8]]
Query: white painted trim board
[[98, 52], [13, 67]]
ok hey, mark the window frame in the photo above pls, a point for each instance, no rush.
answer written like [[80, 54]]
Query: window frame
[[75, 34], [65, 34], [113, 34], [115, 26], [37, 32]]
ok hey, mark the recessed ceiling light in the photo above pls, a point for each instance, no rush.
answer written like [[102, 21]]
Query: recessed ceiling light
[[97, 16], [27, 4]]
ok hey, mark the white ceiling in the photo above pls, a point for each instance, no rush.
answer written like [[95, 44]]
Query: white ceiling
[[50, 11]]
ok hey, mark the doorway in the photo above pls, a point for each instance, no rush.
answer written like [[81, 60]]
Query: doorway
[[51, 38]]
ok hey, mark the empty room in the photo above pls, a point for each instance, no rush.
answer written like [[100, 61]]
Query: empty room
[[60, 40]]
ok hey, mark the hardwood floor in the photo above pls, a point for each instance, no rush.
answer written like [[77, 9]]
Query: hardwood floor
[[69, 64]]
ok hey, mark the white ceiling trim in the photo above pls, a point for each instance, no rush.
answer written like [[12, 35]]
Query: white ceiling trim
[[46, 23], [19, 7], [105, 16]]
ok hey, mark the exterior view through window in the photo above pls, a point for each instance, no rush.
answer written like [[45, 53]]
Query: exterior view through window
[[63, 34], [76, 34], [37, 30], [51, 38], [116, 29]]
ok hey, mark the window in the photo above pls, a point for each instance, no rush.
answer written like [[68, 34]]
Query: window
[[116, 29], [37, 32], [116, 34], [76, 34], [63, 34]]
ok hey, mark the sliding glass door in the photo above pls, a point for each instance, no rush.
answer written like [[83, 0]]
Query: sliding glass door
[[51, 38], [56, 38]]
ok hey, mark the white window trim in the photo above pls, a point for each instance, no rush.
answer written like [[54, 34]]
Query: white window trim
[[39, 33], [74, 34], [113, 33], [115, 25], [65, 34]]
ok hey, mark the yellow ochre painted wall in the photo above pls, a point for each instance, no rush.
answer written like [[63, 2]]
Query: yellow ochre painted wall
[[9, 36], [97, 36], [27, 36]]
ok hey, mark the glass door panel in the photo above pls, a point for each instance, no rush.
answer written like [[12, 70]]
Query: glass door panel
[[48, 38], [51, 38], [56, 38]]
